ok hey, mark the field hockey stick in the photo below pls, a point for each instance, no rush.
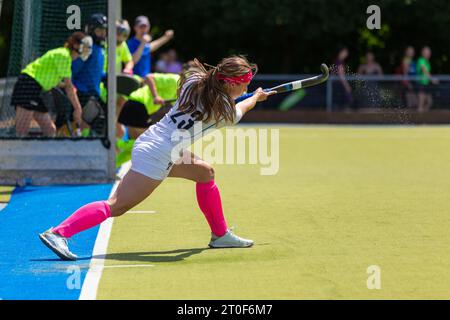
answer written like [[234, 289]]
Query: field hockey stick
[[295, 85], [287, 87], [127, 84]]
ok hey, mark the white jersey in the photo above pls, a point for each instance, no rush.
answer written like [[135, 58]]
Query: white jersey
[[153, 149]]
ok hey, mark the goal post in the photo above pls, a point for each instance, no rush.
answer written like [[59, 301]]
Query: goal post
[[40, 26], [112, 84]]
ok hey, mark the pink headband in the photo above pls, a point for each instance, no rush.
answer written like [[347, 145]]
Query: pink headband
[[246, 78]]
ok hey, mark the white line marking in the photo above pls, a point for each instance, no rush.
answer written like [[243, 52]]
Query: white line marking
[[3, 206], [142, 212], [97, 264]]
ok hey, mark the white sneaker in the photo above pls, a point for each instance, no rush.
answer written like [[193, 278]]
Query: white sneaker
[[229, 240], [58, 244]]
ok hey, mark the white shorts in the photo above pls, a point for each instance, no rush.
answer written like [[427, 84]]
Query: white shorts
[[151, 157]]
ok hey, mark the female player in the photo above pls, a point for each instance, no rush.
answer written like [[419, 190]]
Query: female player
[[44, 74], [205, 98]]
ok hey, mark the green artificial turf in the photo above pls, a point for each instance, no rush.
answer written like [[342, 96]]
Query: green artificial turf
[[345, 198]]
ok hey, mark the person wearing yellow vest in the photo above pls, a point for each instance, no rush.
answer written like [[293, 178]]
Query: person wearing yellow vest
[[124, 64], [124, 59], [41, 76]]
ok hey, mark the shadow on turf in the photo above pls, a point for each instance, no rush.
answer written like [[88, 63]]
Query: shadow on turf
[[58, 260], [156, 256]]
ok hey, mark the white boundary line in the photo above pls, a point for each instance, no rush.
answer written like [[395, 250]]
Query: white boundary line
[[142, 212], [97, 264]]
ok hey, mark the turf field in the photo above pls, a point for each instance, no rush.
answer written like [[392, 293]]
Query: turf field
[[5, 195], [345, 198]]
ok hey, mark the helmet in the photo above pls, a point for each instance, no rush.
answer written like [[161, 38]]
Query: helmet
[[123, 27], [97, 21]]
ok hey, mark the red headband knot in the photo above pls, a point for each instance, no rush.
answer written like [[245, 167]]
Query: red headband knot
[[246, 78]]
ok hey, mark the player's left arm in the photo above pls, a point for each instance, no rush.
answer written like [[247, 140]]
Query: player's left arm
[[248, 104]]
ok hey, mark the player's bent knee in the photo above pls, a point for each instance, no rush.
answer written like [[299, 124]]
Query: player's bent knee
[[212, 173], [208, 173]]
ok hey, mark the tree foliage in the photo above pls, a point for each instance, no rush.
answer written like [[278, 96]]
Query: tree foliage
[[295, 36], [5, 34], [292, 36]]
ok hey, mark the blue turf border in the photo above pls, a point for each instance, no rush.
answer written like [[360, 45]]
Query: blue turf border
[[28, 270]]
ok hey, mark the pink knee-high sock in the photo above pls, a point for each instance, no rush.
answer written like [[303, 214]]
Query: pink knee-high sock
[[84, 218], [208, 197]]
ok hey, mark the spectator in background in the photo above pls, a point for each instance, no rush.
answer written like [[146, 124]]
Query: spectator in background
[[168, 63], [41, 76], [371, 93], [425, 81], [340, 70], [370, 67], [408, 69], [161, 64], [142, 46], [124, 59], [124, 64]]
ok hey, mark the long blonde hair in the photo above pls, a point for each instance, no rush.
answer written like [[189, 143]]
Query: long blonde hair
[[211, 92]]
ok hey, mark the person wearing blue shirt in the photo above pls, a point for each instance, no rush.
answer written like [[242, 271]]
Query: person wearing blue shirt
[[87, 75], [141, 46]]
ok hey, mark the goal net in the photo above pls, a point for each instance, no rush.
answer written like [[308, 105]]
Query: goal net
[[41, 143]]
